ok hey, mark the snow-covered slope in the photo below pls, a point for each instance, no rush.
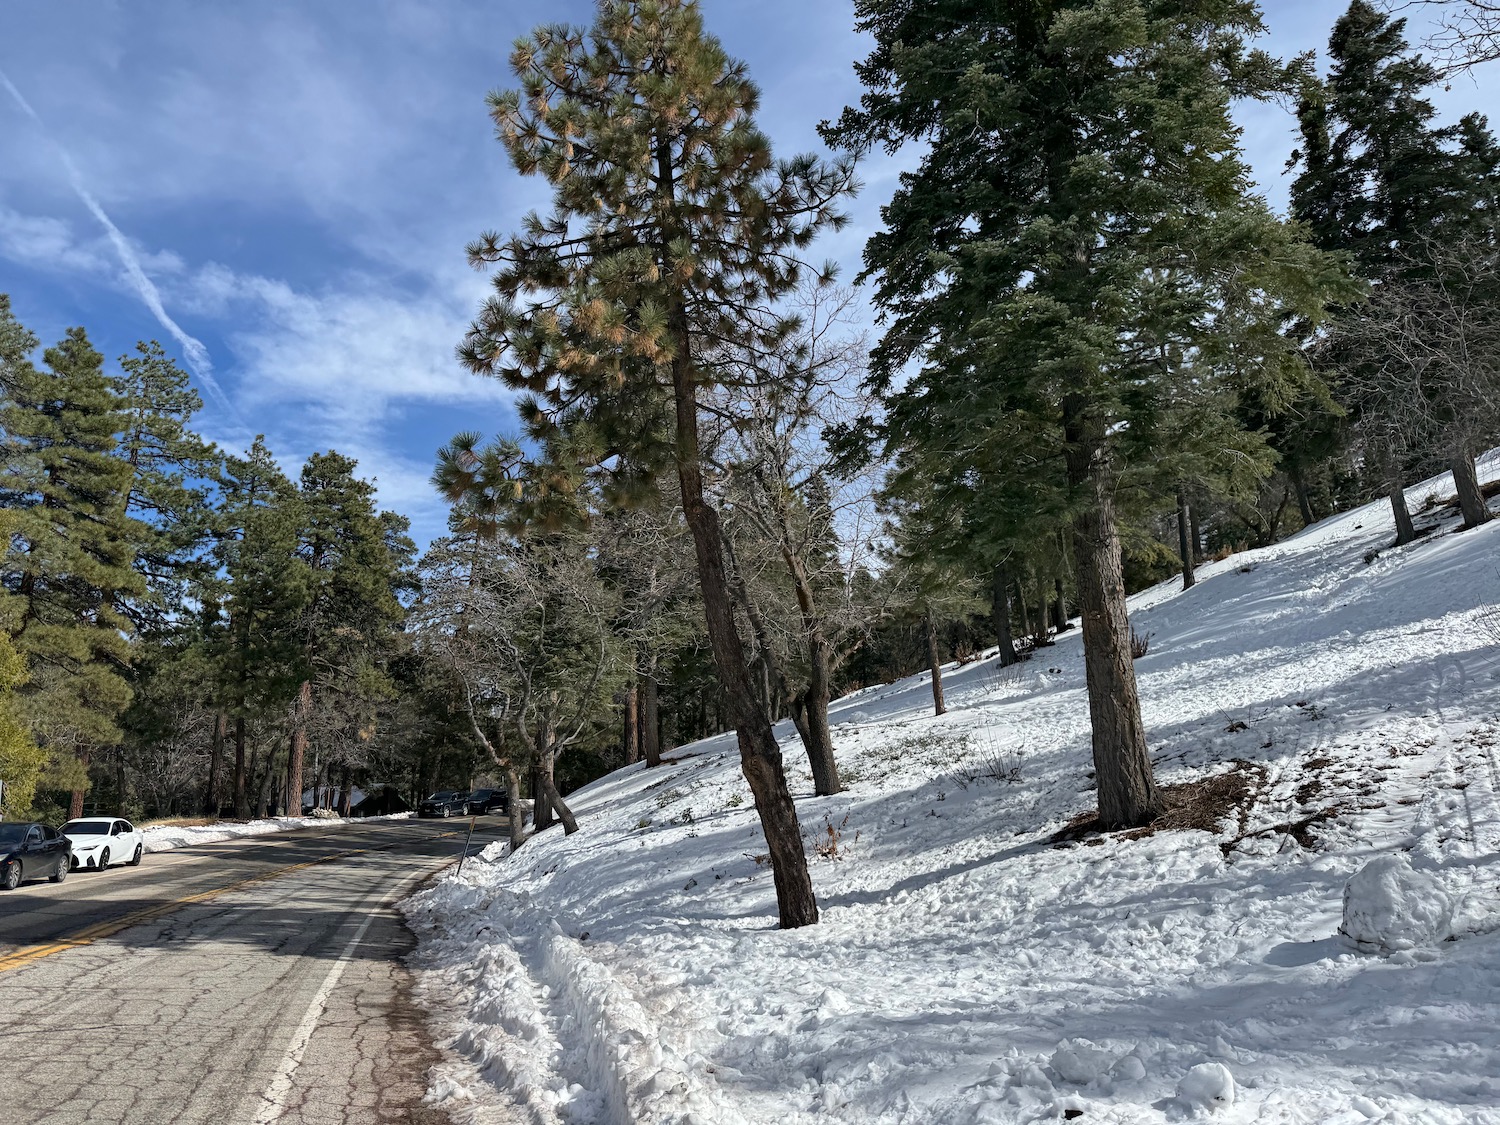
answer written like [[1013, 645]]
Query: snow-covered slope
[[969, 966]]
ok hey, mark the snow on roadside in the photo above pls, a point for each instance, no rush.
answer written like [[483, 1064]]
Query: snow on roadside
[[972, 967], [166, 837]]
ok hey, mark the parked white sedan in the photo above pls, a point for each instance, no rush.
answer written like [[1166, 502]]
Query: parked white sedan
[[102, 841]]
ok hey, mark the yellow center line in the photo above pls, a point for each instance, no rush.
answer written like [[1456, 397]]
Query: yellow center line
[[30, 954]]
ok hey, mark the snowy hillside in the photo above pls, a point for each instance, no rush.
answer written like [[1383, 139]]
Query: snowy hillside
[[975, 963]]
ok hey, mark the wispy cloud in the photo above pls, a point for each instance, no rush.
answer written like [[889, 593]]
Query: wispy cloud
[[192, 349]]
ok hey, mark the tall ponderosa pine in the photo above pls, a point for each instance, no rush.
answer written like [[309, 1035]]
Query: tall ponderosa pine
[[672, 231], [1380, 178], [68, 558], [1080, 239]]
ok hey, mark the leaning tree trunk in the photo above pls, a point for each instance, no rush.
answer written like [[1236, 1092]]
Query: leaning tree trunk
[[1304, 497], [817, 739], [554, 798], [1184, 539], [1000, 614], [1128, 795], [1466, 483], [760, 756], [1406, 530], [935, 663]]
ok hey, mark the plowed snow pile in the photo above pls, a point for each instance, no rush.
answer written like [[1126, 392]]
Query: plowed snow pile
[[974, 966]]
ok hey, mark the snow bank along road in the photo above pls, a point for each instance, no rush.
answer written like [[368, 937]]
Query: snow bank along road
[[247, 981]]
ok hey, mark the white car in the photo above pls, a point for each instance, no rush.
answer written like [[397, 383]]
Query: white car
[[103, 841]]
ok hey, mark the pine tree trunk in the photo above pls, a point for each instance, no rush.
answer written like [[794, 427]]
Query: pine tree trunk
[[1059, 605], [1196, 532], [1000, 614], [935, 663], [650, 725], [297, 758], [554, 798], [1304, 498], [630, 736], [263, 792], [541, 805], [517, 817], [346, 795], [1128, 795], [1466, 483], [1026, 630], [215, 755], [75, 799], [1406, 530], [1184, 543], [241, 796], [1041, 639], [818, 739]]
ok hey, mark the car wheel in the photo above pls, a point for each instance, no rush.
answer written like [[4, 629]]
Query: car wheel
[[10, 878], [135, 860], [103, 859], [64, 865], [446, 812]]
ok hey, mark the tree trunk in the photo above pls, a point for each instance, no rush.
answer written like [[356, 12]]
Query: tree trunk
[[1128, 795], [554, 798], [630, 737], [241, 796], [934, 662], [650, 717], [1304, 497], [1025, 612], [1000, 614], [517, 817], [1196, 533], [1406, 530], [1041, 638], [215, 755], [541, 806], [1184, 539], [760, 756], [1466, 484], [810, 713], [346, 796], [263, 792], [75, 798], [1059, 605], [297, 755], [818, 739]]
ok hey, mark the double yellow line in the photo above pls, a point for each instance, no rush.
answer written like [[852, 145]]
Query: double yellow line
[[30, 954]]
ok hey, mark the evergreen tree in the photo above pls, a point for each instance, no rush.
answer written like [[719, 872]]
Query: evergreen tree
[[1380, 178], [1080, 241], [21, 759], [68, 559], [672, 229]]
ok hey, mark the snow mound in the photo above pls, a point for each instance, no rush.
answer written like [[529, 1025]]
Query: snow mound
[[1390, 907], [1207, 1086], [1081, 1061]]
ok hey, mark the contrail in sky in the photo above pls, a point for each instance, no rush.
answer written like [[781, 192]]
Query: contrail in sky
[[192, 349]]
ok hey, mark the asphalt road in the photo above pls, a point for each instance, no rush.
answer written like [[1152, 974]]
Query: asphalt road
[[245, 983]]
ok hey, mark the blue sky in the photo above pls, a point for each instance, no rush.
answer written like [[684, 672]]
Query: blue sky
[[295, 182]]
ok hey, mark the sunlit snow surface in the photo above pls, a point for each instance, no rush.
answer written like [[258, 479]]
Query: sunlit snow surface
[[966, 968]]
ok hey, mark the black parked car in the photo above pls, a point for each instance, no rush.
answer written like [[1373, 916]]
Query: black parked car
[[483, 801], [446, 802], [31, 850]]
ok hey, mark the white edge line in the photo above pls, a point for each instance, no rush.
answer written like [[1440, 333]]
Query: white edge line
[[273, 1102]]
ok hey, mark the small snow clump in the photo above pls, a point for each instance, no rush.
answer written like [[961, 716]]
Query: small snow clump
[[1080, 1061], [1207, 1086], [1390, 907]]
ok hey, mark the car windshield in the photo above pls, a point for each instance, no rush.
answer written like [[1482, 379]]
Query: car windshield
[[86, 828], [13, 833], [480, 794], [445, 795]]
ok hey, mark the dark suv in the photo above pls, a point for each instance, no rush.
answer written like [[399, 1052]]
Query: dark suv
[[446, 802], [483, 801]]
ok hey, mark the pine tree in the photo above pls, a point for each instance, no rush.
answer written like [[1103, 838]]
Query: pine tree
[[1080, 240], [21, 759], [69, 556], [672, 228], [1381, 179]]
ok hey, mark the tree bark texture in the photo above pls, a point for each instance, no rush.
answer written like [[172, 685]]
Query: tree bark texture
[[75, 798], [817, 739], [631, 735], [541, 804], [1000, 613], [297, 756], [1059, 605], [1304, 497], [935, 663], [215, 755], [241, 796], [1184, 539], [555, 799], [650, 717], [517, 818], [1406, 530], [1128, 794], [1466, 484]]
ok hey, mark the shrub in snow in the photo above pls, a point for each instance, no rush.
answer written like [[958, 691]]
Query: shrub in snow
[[1207, 1086], [1389, 907]]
